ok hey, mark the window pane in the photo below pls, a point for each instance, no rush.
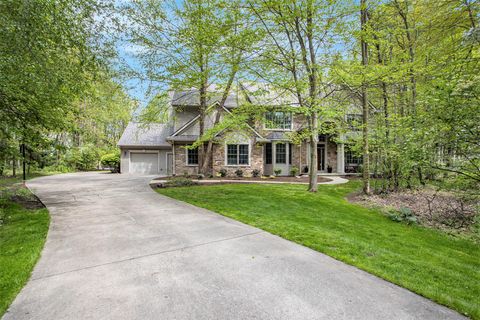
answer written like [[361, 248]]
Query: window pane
[[232, 154], [243, 154], [278, 120], [352, 158], [268, 153], [192, 156], [280, 153]]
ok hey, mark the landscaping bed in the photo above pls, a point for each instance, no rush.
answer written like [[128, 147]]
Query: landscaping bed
[[182, 181], [436, 209]]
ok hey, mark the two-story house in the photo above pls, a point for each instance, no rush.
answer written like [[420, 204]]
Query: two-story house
[[265, 146]]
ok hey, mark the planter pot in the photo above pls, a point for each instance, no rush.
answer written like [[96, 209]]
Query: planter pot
[[329, 169]]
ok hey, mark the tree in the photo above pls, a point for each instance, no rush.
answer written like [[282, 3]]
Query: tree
[[365, 106], [419, 80], [50, 54], [196, 45], [297, 53]]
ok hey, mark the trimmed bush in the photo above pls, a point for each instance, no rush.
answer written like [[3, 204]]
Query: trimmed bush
[[239, 173], [112, 161], [180, 182], [277, 171], [223, 173], [294, 171], [256, 173]]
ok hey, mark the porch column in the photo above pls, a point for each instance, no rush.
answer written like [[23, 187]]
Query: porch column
[[340, 158]]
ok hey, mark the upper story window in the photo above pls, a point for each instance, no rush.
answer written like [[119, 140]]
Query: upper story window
[[354, 121], [192, 157], [278, 120]]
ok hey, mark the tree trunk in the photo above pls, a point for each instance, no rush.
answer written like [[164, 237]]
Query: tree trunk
[[14, 166], [207, 164], [313, 180], [201, 124], [366, 164]]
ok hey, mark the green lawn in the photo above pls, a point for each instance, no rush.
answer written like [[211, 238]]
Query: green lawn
[[22, 235], [435, 265]]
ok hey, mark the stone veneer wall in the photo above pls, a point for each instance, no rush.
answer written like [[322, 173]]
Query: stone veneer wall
[[180, 162], [332, 155], [256, 160], [299, 156]]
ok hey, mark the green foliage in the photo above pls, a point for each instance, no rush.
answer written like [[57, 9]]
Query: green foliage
[[112, 161], [239, 173], [277, 171], [294, 171], [256, 173], [402, 215], [180, 182], [84, 159], [223, 173]]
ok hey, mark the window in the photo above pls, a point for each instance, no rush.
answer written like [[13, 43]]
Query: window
[[192, 157], [237, 154], [351, 158], [354, 121], [280, 153], [268, 153], [278, 120]]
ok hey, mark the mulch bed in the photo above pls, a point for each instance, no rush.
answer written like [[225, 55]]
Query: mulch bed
[[441, 210], [31, 202], [301, 179]]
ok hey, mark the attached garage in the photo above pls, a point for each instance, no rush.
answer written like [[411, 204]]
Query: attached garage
[[144, 149], [143, 163]]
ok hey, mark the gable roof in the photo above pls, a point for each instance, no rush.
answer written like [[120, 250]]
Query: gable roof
[[209, 124], [137, 134]]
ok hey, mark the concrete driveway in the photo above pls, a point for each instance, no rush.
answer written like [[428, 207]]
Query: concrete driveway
[[117, 250]]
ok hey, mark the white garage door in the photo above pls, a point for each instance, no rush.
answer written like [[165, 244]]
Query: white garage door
[[144, 163]]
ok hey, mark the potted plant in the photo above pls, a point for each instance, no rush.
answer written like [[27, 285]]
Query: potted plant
[[329, 169]]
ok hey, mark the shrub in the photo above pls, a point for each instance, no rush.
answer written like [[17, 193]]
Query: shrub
[[223, 173], [256, 173], [239, 173], [277, 171], [180, 182], [402, 215], [294, 171], [85, 158], [112, 161]]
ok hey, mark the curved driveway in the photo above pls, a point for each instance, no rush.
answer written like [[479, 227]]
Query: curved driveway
[[117, 250]]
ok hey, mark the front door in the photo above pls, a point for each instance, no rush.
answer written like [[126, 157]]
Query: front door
[[321, 157]]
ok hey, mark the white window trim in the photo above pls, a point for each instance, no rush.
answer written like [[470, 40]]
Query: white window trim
[[186, 160], [238, 165], [278, 129]]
